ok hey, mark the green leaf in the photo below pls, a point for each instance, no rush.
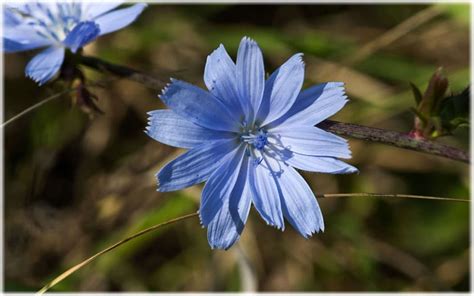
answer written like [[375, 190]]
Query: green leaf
[[416, 93], [455, 110], [459, 12]]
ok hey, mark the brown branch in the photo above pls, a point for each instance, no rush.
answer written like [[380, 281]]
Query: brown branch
[[393, 138], [121, 71]]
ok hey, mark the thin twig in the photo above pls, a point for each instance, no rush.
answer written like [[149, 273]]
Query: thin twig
[[35, 106], [76, 267], [49, 99], [117, 244], [393, 138], [123, 72], [396, 139], [395, 33], [391, 196]]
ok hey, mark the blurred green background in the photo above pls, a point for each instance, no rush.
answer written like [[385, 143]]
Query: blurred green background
[[74, 185]]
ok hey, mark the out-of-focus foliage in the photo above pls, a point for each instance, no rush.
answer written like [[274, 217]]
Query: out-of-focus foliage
[[74, 185], [437, 114]]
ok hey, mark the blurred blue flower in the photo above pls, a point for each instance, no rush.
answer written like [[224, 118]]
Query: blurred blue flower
[[246, 137], [59, 25]]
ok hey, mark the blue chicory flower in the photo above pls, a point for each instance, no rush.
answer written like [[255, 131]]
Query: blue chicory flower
[[57, 26], [246, 137]]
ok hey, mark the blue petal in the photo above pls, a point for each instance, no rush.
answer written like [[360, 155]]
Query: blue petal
[[91, 10], [320, 164], [310, 141], [81, 34], [10, 19], [315, 104], [22, 38], [299, 204], [199, 106], [20, 6], [45, 65], [282, 89], [221, 185], [265, 193], [194, 166], [119, 19], [10, 46], [220, 79], [228, 223], [169, 128], [250, 75]]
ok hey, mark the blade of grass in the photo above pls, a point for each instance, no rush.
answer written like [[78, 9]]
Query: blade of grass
[[49, 99], [110, 248], [154, 227], [392, 196], [36, 106], [395, 33]]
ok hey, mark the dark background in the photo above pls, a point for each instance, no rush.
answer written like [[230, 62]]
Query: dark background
[[74, 184]]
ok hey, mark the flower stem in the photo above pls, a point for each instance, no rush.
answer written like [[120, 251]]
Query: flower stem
[[393, 138]]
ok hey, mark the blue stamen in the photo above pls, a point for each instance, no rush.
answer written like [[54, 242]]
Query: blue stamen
[[260, 140]]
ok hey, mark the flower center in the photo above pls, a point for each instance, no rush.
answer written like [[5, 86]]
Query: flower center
[[261, 144], [256, 138], [53, 24]]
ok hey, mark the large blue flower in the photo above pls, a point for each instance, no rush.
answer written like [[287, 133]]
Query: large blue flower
[[246, 137], [58, 26]]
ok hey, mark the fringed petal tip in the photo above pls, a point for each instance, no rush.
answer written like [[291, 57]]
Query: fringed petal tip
[[38, 80], [158, 185], [161, 189], [45, 65], [339, 85], [251, 43], [316, 231], [247, 39], [201, 223], [220, 247], [278, 227], [319, 229], [166, 88], [299, 56]]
